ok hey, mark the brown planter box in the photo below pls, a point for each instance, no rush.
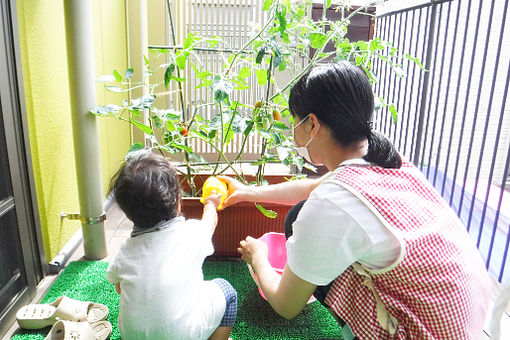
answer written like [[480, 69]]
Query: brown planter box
[[237, 222]]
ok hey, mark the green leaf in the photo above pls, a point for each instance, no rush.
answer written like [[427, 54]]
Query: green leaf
[[267, 4], [204, 74], [286, 4], [181, 147], [213, 41], [399, 71], [280, 126], [394, 114], [241, 85], [277, 54], [376, 45], [114, 89], [106, 110], [283, 22], [261, 76], [249, 128], [188, 42], [345, 46], [280, 100], [117, 76], [244, 72], [257, 43], [170, 126], [179, 79], [276, 137], [415, 60], [180, 61], [317, 40], [141, 126], [267, 213], [207, 82], [128, 73], [168, 74], [260, 55], [361, 45], [264, 133], [221, 89], [277, 61], [229, 134], [378, 103], [327, 3], [136, 146]]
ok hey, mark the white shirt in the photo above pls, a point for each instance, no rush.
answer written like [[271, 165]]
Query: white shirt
[[163, 293], [333, 230]]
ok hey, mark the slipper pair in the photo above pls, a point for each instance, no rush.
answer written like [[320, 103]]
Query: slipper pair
[[71, 319]]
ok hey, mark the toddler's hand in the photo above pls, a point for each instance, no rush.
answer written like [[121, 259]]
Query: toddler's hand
[[214, 199]]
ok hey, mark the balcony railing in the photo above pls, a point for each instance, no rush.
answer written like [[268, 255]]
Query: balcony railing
[[454, 120]]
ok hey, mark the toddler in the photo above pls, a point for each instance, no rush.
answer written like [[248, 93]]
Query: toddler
[[158, 270]]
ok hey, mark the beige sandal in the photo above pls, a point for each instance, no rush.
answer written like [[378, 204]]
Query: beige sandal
[[37, 316], [72, 330]]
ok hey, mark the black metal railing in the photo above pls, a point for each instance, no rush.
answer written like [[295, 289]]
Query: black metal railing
[[453, 120]]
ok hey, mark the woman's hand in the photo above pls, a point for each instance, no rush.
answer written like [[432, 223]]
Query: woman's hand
[[237, 191], [252, 250]]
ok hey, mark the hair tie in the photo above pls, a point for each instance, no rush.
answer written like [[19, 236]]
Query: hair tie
[[367, 129]]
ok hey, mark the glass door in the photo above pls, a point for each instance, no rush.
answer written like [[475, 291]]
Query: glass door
[[13, 278], [20, 239]]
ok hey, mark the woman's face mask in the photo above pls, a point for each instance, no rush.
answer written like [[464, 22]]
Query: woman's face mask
[[302, 150]]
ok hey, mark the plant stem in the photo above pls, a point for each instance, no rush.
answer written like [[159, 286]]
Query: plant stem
[[181, 96], [189, 177], [260, 171], [222, 140], [313, 61], [245, 138], [229, 164], [262, 30]]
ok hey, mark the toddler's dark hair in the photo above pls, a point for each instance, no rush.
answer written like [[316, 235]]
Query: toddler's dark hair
[[146, 188]]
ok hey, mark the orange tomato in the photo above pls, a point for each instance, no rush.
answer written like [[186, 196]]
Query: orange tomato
[[277, 115]]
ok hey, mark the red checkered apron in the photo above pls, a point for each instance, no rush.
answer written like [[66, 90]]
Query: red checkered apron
[[438, 290]]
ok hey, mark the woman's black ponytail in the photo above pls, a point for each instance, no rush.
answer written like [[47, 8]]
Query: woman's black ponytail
[[341, 97], [382, 152]]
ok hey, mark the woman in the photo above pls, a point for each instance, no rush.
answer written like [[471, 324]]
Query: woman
[[373, 241]]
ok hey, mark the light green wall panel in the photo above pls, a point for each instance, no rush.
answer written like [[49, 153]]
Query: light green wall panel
[[44, 67]]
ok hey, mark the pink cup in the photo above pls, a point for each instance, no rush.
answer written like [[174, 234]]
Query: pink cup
[[277, 256]]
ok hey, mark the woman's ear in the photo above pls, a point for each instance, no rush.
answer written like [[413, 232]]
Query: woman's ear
[[314, 124]]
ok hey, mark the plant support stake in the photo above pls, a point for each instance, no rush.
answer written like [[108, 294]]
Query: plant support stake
[[80, 61]]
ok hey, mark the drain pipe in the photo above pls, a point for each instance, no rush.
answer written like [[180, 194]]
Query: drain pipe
[[80, 61], [60, 260]]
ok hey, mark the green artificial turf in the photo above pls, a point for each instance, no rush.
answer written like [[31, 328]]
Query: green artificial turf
[[86, 281]]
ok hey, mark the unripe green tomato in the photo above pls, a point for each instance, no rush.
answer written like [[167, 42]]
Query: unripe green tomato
[[266, 123]]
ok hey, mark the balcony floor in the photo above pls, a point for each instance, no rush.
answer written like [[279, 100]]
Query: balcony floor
[[118, 229]]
